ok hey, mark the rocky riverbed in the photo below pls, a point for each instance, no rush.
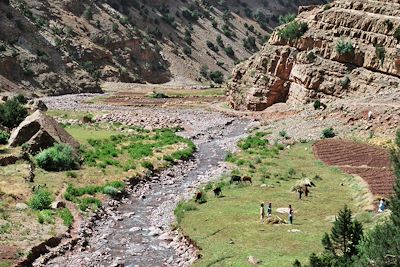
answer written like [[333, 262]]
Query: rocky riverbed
[[138, 230]]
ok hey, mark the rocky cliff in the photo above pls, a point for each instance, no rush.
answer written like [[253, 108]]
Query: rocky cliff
[[344, 48], [71, 46]]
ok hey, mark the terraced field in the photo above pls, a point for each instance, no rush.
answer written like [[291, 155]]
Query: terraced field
[[369, 162]]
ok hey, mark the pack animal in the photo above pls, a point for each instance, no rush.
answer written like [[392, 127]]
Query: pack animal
[[247, 179], [217, 191], [236, 178]]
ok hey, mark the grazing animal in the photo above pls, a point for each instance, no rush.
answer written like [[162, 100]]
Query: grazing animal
[[236, 178], [217, 191], [199, 195], [247, 179]]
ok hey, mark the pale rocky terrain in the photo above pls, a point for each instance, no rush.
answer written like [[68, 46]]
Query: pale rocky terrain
[[301, 70], [61, 47]]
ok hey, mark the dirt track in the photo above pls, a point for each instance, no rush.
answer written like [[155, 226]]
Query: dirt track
[[369, 162]]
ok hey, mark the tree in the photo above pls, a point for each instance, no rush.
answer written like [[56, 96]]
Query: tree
[[341, 245]]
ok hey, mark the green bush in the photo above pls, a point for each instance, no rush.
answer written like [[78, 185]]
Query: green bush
[[110, 190], [311, 56], [60, 157], [71, 174], [148, 165], [45, 216], [89, 201], [287, 18], [317, 104], [397, 34], [253, 142], [66, 216], [187, 50], [21, 99], [293, 30], [345, 82], [380, 53], [229, 51], [88, 13], [4, 136], [328, 133], [158, 95], [40, 200], [216, 76], [12, 113], [344, 47]]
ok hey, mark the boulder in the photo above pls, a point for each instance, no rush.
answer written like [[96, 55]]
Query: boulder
[[37, 104], [21, 206], [40, 131]]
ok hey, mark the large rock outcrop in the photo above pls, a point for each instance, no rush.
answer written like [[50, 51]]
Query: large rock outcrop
[[310, 67], [39, 132]]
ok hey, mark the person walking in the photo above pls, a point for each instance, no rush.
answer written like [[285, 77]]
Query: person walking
[[269, 210], [300, 191], [262, 213], [290, 213], [306, 191]]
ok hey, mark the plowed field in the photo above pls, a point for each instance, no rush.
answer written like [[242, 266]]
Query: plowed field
[[369, 162]]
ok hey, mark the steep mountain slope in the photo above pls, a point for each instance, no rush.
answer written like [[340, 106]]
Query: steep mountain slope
[[71, 46], [341, 49]]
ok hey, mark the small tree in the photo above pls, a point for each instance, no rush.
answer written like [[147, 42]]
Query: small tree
[[204, 71], [216, 76], [60, 157], [341, 245]]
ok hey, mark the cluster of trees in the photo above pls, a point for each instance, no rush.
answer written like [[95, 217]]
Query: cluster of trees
[[348, 246]]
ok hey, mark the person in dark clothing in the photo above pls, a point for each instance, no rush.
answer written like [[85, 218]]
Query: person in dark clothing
[[300, 191], [269, 210], [306, 191], [290, 213]]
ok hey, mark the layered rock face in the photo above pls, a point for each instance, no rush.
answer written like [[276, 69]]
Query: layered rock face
[[315, 65]]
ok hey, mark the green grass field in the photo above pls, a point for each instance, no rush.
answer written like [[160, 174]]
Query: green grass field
[[235, 216]]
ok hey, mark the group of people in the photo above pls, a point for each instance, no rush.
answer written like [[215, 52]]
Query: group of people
[[269, 213]]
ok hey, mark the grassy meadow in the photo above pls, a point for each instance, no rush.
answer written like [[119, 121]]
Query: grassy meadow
[[228, 230]]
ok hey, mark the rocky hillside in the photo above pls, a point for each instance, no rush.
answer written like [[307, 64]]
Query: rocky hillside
[[70, 46], [346, 48]]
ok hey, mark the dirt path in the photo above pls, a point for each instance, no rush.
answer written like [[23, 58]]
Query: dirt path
[[138, 232]]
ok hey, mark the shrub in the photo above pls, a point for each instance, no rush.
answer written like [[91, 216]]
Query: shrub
[[293, 30], [328, 133], [110, 190], [12, 113], [40, 200], [60, 157], [66, 216], [187, 50], [389, 24], [114, 27], [4, 136], [344, 47], [229, 51], [311, 56], [88, 13], [283, 134], [71, 174], [220, 42], [253, 142], [345, 82], [287, 18], [212, 46], [397, 34], [45, 216], [216, 76], [380, 53], [158, 95], [204, 71], [21, 99], [147, 165], [317, 104], [89, 201]]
